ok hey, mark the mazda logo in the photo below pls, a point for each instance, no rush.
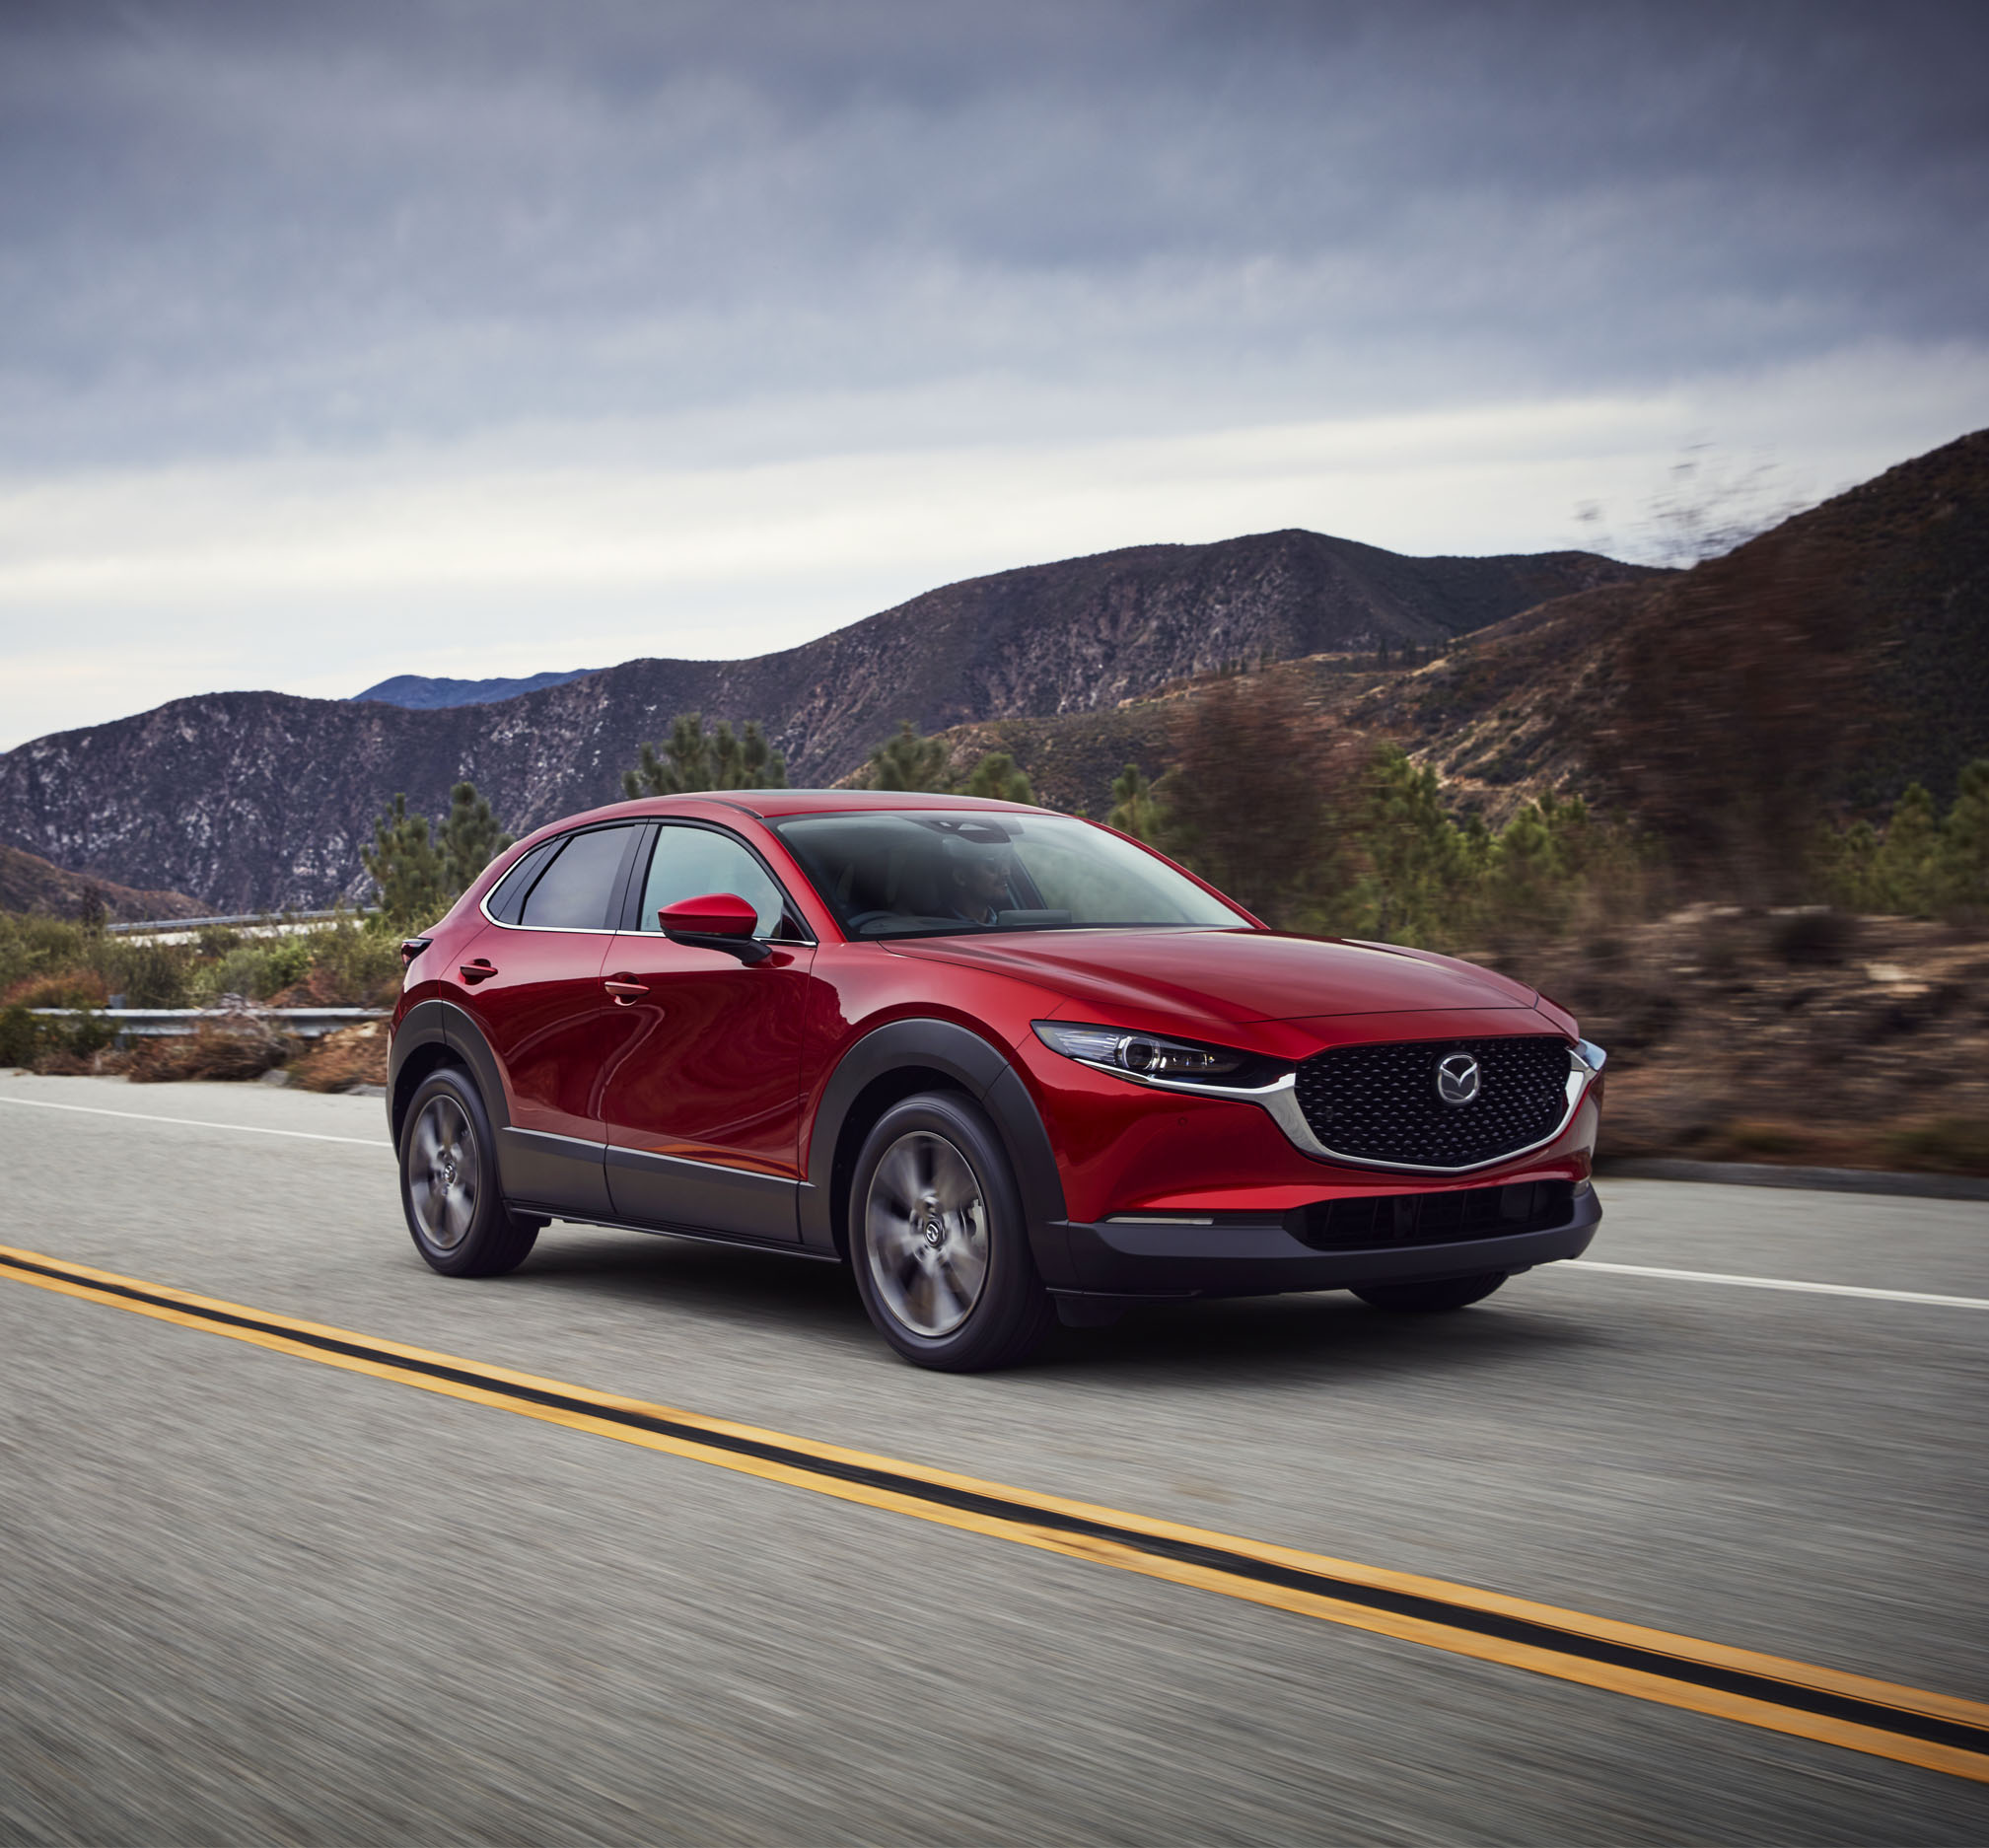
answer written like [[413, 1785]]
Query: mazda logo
[[1457, 1078]]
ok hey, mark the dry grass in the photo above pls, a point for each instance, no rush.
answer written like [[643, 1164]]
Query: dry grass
[[352, 1055], [237, 1054], [68, 988]]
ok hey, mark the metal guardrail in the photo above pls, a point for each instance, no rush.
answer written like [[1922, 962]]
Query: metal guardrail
[[163, 1023], [267, 919]]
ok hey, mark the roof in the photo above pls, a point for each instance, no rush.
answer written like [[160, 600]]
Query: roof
[[767, 804], [776, 802]]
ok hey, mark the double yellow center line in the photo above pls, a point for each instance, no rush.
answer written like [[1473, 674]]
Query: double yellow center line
[[1934, 1730]]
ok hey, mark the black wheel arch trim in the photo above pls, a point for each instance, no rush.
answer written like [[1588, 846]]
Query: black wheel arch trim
[[530, 1168], [980, 1069], [443, 1023]]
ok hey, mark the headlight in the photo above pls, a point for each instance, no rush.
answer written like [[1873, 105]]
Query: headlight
[[1149, 1056]]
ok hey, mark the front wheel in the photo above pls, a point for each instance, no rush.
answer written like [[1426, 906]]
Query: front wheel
[[449, 1186], [1430, 1298], [939, 1241]]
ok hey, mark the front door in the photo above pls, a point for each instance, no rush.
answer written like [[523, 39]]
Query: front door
[[702, 1097]]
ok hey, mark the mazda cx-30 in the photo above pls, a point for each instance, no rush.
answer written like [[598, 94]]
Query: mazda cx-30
[[1006, 1064]]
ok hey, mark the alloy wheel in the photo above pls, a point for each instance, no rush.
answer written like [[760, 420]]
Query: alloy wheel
[[443, 1167], [926, 1233]]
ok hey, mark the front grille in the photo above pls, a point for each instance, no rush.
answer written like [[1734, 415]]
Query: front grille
[[1382, 1219], [1380, 1103]]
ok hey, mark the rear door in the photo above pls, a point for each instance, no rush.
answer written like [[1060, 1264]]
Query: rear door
[[531, 983], [702, 1097]]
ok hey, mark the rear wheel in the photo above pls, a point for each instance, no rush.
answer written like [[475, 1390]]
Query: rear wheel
[[449, 1186], [1429, 1299], [939, 1242]]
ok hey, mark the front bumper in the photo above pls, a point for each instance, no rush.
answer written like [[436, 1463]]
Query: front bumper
[[1240, 1256]]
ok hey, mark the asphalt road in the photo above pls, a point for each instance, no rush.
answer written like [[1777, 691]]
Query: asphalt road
[[251, 1598]]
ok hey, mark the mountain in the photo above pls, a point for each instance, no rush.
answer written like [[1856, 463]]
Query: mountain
[[29, 884], [1850, 645], [258, 800], [1844, 653], [422, 693]]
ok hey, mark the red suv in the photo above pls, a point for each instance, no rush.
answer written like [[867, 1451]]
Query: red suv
[[1007, 1064]]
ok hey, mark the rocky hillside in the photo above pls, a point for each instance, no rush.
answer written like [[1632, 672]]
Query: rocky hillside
[[1870, 612], [256, 800], [29, 882]]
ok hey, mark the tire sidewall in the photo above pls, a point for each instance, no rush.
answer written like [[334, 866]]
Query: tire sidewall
[[490, 1224], [1006, 1315]]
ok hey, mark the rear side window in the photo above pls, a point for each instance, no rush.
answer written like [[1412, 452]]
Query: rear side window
[[508, 900], [695, 862], [576, 889]]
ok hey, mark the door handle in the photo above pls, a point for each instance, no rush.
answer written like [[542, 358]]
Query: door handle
[[624, 991], [477, 971]]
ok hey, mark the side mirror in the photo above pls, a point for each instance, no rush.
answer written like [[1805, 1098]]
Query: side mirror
[[719, 920]]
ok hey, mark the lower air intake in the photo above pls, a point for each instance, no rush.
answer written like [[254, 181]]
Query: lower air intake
[[1369, 1220]]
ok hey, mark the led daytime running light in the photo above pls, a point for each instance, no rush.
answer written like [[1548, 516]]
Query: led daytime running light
[[1140, 1056]]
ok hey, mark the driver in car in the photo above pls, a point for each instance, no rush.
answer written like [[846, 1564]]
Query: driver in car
[[977, 878]]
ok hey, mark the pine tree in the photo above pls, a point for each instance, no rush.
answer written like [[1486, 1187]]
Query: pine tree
[[909, 762], [1964, 845], [470, 838], [1849, 860], [996, 776], [407, 867], [1906, 871], [1422, 874], [1135, 811], [1527, 888], [694, 760]]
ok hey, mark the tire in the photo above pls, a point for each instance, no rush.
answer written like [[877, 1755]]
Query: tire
[[939, 1241], [1433, 1298], [449, 1185]]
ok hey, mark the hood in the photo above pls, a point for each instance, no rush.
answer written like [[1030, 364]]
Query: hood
[[1226, 976]]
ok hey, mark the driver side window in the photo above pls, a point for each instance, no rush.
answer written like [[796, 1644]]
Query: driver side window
[[693, 862]]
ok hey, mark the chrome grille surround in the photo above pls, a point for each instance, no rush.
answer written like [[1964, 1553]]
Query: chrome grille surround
[[1583, 1064], [1382, 1103]]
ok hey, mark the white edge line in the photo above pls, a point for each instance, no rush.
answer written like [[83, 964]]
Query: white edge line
[[1584, 1263], [1781, 1283], [196, 1122]]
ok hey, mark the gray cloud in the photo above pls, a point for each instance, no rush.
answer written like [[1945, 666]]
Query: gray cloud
[[783, 229]]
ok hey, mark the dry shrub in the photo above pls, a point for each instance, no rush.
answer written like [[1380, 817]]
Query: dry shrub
[[339, 985], [1951, 1145], [1814, 939], [69, 988], [1259, 800], [1743, 714], [56, 1046], [60, 1061], [1754, 1138], [237, 1053], [352, 1055]]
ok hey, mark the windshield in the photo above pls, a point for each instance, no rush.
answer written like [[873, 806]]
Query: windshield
[[930, 872]]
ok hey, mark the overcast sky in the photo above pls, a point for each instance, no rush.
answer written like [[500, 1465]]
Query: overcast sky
[[450, 337]]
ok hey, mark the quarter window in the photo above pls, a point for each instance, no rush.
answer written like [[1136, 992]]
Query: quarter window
[[695, 862], [575, 890], [508, 900]]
